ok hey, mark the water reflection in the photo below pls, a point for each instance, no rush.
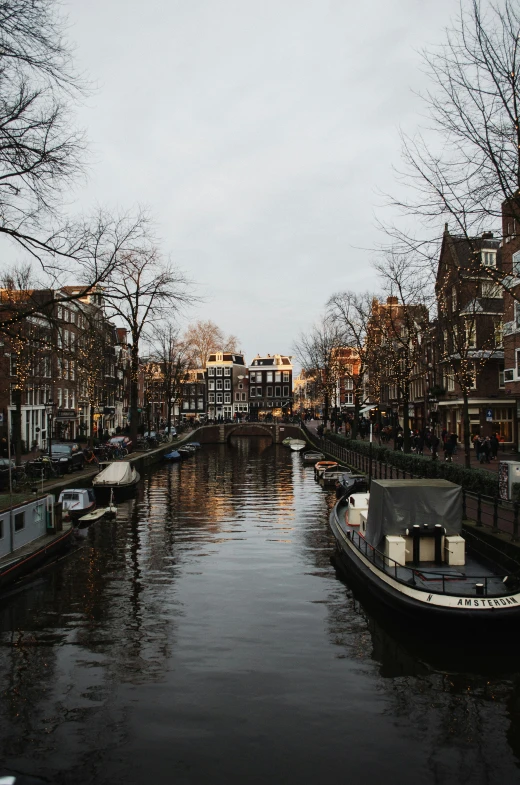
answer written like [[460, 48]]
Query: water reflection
[[205, 636]]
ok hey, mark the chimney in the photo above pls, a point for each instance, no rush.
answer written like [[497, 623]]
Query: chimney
[[392, 301], [487, 235]]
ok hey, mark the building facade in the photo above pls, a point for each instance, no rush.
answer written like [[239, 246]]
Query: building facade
[[270, 386]]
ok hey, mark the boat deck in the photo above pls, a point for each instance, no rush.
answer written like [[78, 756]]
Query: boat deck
[[438, 579], [30, 548]]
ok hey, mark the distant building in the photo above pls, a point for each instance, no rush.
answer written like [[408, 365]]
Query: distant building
[[270, 386], [226, 375]]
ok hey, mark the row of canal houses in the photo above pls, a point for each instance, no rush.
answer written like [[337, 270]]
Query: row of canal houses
[[472, 347]]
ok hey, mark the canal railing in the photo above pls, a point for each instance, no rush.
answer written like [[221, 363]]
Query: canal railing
[[490, 512]]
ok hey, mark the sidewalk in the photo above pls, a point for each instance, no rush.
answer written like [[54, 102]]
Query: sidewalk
[[503, 455]]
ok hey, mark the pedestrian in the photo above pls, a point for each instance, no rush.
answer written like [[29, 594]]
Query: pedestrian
[[494, 444], [434, 446], [448, 451], [486, 447]]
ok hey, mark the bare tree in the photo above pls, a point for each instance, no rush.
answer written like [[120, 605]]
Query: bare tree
[[467, 163], [351, 312], [205, 337], [141, 293], [170, 351], [319, 354], [402, 324]]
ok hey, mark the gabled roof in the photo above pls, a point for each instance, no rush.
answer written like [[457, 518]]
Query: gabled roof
[[488, 305]]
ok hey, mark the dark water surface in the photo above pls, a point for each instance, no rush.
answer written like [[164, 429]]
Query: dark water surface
[[205, 637]]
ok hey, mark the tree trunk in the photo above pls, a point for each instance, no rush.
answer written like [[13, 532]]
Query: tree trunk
[[134, 394], [16, 426], [466, 427], [91, 425], [325, 409], [406, 424], [357, 407]]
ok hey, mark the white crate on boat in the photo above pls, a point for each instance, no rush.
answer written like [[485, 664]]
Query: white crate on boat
[[394, 549], [454, 550]]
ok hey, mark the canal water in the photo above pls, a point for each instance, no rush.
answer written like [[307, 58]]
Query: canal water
[[205, 637]]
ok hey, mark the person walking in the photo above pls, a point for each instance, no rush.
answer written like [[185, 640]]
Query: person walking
[[434, 446], [494, 444]]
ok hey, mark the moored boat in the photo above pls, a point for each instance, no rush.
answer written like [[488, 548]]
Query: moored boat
[[76, 502], [323, 466], [312, 457], [402, 544], [297, 445], [119, 477], [172, 456], [33, 534]]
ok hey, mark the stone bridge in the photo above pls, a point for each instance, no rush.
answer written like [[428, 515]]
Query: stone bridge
[[220, 434]]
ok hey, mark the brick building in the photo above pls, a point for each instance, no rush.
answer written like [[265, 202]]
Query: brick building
[[270, 386]]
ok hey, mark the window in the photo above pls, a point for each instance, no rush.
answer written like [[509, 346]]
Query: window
[[516, 263], [499, 332], [219, 384], [501, 382], [269, 392], [19, 521], [474, 372], [349, 384], [286, 376], [453, 298], [471, 334], [489, 258], [243, 396], [227, 384], [211, 371], [349, 397], [60, 397], [517, 353], [227, 397], [269, 377], [517, 314], [219, 371], [240, 386], [227, 371], [12, 362], [60, 312], [286, 390], [211, 398], [200, 404], [258, 377], [278, 376], [252, 376], [450, 382], [237, 396], [192, 403], [219, 397], [211, 384], [277, 392], [252, 392], [491, 289]]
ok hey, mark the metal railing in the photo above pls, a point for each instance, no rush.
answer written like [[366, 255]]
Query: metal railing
[[475, 585], [489, 512]]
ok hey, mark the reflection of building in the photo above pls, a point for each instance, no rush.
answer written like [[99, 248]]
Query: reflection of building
[[226, 375], [270, 386]]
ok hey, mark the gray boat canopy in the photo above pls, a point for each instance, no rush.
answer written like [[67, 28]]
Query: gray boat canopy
[[396, 505]]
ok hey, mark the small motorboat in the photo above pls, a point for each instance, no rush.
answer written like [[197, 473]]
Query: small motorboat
[[287, 441], [117, 477], [323, 466], [402, 544], [297, 445], [91, 517], [193, 445], [172, 456], [185, 452], [312, 457], [330, 476], [76, 502]]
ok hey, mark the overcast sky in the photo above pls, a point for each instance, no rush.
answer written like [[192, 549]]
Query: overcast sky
[[258, 134]]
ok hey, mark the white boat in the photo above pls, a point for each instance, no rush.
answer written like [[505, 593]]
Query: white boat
[[402, 544], [116, 476], [91, 517], [76, 502], [312, 457], [297, 445]]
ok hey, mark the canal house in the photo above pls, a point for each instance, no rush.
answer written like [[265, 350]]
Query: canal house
[[270, 386]]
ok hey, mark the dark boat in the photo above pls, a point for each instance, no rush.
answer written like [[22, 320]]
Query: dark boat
[[401, 543]]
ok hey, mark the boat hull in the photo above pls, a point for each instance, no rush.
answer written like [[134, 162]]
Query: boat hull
[[47, 552], [460, 614]]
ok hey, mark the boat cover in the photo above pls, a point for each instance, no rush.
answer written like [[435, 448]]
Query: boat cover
[[396, 505], [121, 473]]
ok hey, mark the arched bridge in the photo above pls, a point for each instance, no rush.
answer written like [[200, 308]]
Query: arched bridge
[[220, 434]]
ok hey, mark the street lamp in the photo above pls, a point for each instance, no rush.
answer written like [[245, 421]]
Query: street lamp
[[49, 410]]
